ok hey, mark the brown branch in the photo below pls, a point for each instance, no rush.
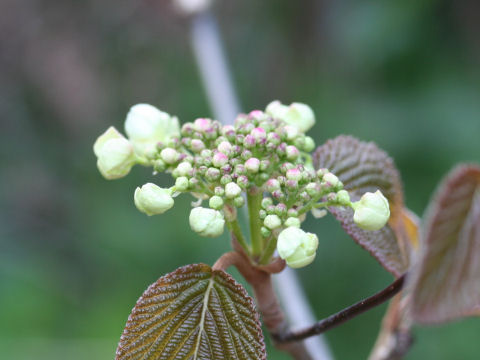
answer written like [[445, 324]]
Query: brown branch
[[259, 277], [344, 315]]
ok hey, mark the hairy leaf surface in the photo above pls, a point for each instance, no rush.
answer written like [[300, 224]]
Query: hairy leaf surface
[[193, 313], [364, 167], [445, 281]]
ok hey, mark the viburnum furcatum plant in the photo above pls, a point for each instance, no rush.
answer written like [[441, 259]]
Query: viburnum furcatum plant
[[263, 163]]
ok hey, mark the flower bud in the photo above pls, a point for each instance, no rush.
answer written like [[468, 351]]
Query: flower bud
[[202, 125], [219, 159], [197, 145], [297, 247], [184, 168], [292, 221], [181, 184], [272, 185], [242, 181], [309, 144], [212, 174], [215, 202], [152, 199], [252, 165], [372, 211], [292, 152], [169, 155], [225, 147], [301, 116], [232, 190], [239, 201], [206, 222], [331, 180], [259, 134], [294, 174], [115, 156], [290, 132], [272, 222], [146, 125], [343, 197]]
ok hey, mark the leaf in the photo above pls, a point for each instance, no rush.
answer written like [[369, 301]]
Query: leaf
[[364, 167], [445, 281], [193, 313]]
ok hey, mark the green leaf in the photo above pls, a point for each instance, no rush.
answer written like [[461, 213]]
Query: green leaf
[[193, 313], [445, 281], [364, 167]]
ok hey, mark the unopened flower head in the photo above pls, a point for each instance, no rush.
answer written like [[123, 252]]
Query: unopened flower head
[[207, 222], [152, 199], [297, 247], [298, 115], [146, 125], [372, 211], [115, 156]]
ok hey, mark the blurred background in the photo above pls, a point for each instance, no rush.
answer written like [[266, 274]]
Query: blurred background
[[75, 254]]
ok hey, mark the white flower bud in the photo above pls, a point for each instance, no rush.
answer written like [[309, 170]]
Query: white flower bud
[[301, 116], [252, 165], [115, 156], [146, 125], [298, 115], [343, 197], [372, 211], [219, 159], [169, 155], [232, 190], [152, 199], [297, 247], [184, 168], [225, 147], [272, 222], [207, 222]]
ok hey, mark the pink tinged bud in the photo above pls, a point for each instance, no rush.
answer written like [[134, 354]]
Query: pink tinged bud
[[242, 181], [292, 152], [203, 125], [225, 147], [259, 134], [331, 180], [294, 174], [290, 132], [219, 159], [169, 155], [197, 145], [252, 165], [256, 114], [272, 185], [228, 130], [249, 141]]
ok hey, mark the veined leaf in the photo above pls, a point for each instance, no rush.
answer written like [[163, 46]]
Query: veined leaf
[[445, 281], [193, 313], [364, 167]]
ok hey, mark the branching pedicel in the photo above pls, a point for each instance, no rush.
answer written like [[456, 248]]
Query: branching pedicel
[[262, 162]]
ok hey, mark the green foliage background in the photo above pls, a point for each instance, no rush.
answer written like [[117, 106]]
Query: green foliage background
[[75, 254]]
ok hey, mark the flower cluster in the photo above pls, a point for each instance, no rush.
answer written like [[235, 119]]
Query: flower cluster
[[263, 158]]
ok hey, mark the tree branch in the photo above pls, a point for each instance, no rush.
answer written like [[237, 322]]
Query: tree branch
[[344, 315]]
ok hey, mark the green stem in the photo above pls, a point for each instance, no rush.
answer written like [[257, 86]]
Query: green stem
[[234, 227], [269, 250], [254, 201]]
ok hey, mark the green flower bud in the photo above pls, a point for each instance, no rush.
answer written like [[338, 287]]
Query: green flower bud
[[331, 180], [206, 222], [265, 232], [297, 247], [159, 165], [145, 126], [115, 156], [272, 222], [372, 211], [292, 221], [309, 144], [215, 202], [239, 201], [266, 202], [343, 197], [152, 199], [219, 190], [181, 183]]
